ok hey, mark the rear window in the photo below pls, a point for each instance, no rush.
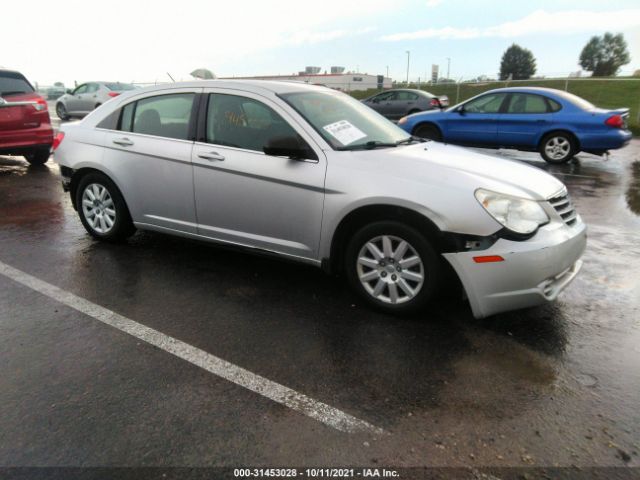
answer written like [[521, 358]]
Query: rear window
[[119, 87], [13, 83], [575, 100]]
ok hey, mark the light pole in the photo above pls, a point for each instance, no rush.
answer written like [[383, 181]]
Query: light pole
[[387, 71], [408, 57], [448, 66]]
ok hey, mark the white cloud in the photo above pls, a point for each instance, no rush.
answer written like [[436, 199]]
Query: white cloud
[[538, 22], [433, 3], [311, 37]]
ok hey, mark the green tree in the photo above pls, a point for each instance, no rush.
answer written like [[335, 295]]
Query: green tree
[[517, 62], [605, 55]]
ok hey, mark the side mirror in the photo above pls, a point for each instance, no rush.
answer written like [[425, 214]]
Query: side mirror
[[461, 110], [69, 91], [291, 147], [375, 100]]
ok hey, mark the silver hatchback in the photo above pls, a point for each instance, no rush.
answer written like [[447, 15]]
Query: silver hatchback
[[314, 175]]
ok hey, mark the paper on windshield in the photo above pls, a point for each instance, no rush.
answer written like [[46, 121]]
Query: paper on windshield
[[344, 132]]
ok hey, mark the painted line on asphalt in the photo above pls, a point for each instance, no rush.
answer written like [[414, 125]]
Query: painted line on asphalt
[[278, 393]]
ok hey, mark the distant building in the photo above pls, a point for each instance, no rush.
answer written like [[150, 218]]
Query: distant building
[[337, 79]]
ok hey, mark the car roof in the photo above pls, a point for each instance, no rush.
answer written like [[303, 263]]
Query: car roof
[[275, 86], [525, 90]]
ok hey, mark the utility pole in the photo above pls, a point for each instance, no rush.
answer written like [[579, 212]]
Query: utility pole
[[408, 57], [387, 71], [448, 66]]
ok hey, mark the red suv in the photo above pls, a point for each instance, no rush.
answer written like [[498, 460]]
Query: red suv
[[25, 127]]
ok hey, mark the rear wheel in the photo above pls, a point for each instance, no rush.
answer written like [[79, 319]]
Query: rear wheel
[[428, 131], [558, 147], [392, 267], [102, 208], [61, 111], [38, 157]]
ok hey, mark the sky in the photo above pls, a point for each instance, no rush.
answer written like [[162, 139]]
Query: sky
[[136, 41]]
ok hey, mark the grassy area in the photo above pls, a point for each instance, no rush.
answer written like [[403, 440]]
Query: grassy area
[[602, 93]]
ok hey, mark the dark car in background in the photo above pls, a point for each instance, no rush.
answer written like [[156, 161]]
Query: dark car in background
[[397, 103], [25, 126], [555, 123]]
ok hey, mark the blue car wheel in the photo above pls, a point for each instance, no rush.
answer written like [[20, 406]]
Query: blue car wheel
[[558, 147]]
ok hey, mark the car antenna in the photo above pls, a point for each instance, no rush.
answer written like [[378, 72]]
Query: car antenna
[[171, 77]]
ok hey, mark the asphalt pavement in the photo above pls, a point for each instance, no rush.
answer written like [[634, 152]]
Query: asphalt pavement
[[557, 385]]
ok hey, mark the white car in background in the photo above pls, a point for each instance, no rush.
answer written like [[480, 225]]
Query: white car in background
[[87, 97], [314, 175]]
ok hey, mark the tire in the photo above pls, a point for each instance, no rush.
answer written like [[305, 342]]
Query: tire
[[109, 218], [61, 111], [428, 131], [38, 157], [97, 105], [558, 147], [389, 282]]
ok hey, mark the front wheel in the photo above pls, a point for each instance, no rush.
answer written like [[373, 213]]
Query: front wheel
[[61, 112], [558, 148], [392, 266], [428, 131], [102, 209]]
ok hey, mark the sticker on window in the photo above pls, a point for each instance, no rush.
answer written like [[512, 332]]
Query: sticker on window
[[344, 132]]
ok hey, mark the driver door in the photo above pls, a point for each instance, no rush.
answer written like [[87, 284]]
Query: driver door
[[74, 101], [246, 197], [477, 122]]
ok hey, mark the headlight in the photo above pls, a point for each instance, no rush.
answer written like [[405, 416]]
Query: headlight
[[516, 214], [402, 121]]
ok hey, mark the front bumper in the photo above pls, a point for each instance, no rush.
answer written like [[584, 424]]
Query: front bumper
[[533, 272]]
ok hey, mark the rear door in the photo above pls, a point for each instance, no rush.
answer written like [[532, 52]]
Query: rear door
[[401, 104], [149, 154], [524, 119], [245, 196], [477, 122]]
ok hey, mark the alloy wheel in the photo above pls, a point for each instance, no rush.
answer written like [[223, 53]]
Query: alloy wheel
[[390, 269], [557, 148], [98, 208]]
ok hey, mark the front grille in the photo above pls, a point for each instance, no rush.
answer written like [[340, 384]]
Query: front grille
[[562, 204]]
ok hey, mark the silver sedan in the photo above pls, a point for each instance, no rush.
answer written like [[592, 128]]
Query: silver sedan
[[87, 97], [311, 174]]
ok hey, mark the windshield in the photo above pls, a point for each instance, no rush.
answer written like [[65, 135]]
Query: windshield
[[119, 87], [13, 83], [344, 122]]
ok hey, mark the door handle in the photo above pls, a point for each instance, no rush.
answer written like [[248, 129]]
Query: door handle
[[211, 156], [125, 142]]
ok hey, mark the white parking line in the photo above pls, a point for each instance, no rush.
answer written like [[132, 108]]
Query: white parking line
[[278, 393]]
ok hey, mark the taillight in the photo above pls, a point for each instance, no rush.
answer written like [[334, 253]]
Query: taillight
[[40, 105], [113, 94], [615, 121], [435, 102], [57, 140]]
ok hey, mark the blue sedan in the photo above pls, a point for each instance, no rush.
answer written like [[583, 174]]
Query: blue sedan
[[555, 123]]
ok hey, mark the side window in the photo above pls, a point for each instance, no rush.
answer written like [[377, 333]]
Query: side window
[[162, 116], [526, 103], [242, 122], [383, 97], [81, 89], [92, 87], [553, 105], [406, 96], [486, 104]]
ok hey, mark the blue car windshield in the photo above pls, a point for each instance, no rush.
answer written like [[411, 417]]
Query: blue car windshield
[[344, 122]]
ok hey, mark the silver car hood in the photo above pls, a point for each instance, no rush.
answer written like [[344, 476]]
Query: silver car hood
[[442, 163]]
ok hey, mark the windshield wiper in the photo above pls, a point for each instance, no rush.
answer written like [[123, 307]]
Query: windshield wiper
[[369, 145], [408, 140]]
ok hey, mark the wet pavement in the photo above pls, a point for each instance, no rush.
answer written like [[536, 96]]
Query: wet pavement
[[557, 385]]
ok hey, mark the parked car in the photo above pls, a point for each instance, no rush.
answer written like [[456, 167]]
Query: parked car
[[314, 175], [88, 96], [397, 103], [25, 127], [56, 91], [555, 123]]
